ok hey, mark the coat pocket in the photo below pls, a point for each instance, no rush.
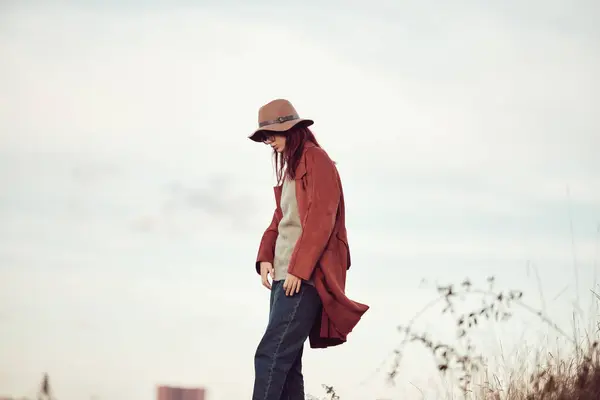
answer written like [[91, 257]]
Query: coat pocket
[[344, 249]]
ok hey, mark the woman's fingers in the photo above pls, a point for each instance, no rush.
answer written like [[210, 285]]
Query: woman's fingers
[[265, 280], [272, 272], [266, 270], [266, 284], [291, 285]]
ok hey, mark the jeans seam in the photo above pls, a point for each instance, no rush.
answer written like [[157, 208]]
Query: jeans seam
[[292, 316]]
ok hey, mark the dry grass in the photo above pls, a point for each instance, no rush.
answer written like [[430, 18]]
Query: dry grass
[[576, 376]]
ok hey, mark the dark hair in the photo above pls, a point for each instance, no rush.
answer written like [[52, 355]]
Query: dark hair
[[287, 162]]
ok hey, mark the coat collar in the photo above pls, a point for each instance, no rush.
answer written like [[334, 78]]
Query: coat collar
[[300, 169]]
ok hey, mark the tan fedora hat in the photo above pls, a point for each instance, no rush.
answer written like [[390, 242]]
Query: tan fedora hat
[[277, 116]]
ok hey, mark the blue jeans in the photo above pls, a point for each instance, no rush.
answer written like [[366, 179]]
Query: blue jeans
[[278, 358]]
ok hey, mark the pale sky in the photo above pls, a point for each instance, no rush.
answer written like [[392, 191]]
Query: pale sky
[[133, 202]]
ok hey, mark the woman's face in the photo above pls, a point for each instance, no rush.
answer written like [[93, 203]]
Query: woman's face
[[277, 142]]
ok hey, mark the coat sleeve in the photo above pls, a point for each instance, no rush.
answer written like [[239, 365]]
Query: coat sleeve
[[323, 194], [266, 250]]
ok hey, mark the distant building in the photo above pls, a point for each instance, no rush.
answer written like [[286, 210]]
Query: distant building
[[178, 393]]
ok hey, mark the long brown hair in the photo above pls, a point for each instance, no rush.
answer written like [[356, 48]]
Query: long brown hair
[[287, 162]]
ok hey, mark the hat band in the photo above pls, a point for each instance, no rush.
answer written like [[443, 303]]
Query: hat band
[[279, 120]]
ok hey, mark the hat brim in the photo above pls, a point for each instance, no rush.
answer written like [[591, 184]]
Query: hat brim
[[278, 128]]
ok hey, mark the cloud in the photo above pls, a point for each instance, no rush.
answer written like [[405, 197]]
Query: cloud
[[488, 98]]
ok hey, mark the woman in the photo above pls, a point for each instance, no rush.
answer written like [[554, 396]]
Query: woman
[[305, 253]]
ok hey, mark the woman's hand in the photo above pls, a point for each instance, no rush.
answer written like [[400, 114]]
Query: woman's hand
[[266, 269], [291, 285]]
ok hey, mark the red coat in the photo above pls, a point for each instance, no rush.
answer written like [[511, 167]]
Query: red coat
[[322, 250]]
